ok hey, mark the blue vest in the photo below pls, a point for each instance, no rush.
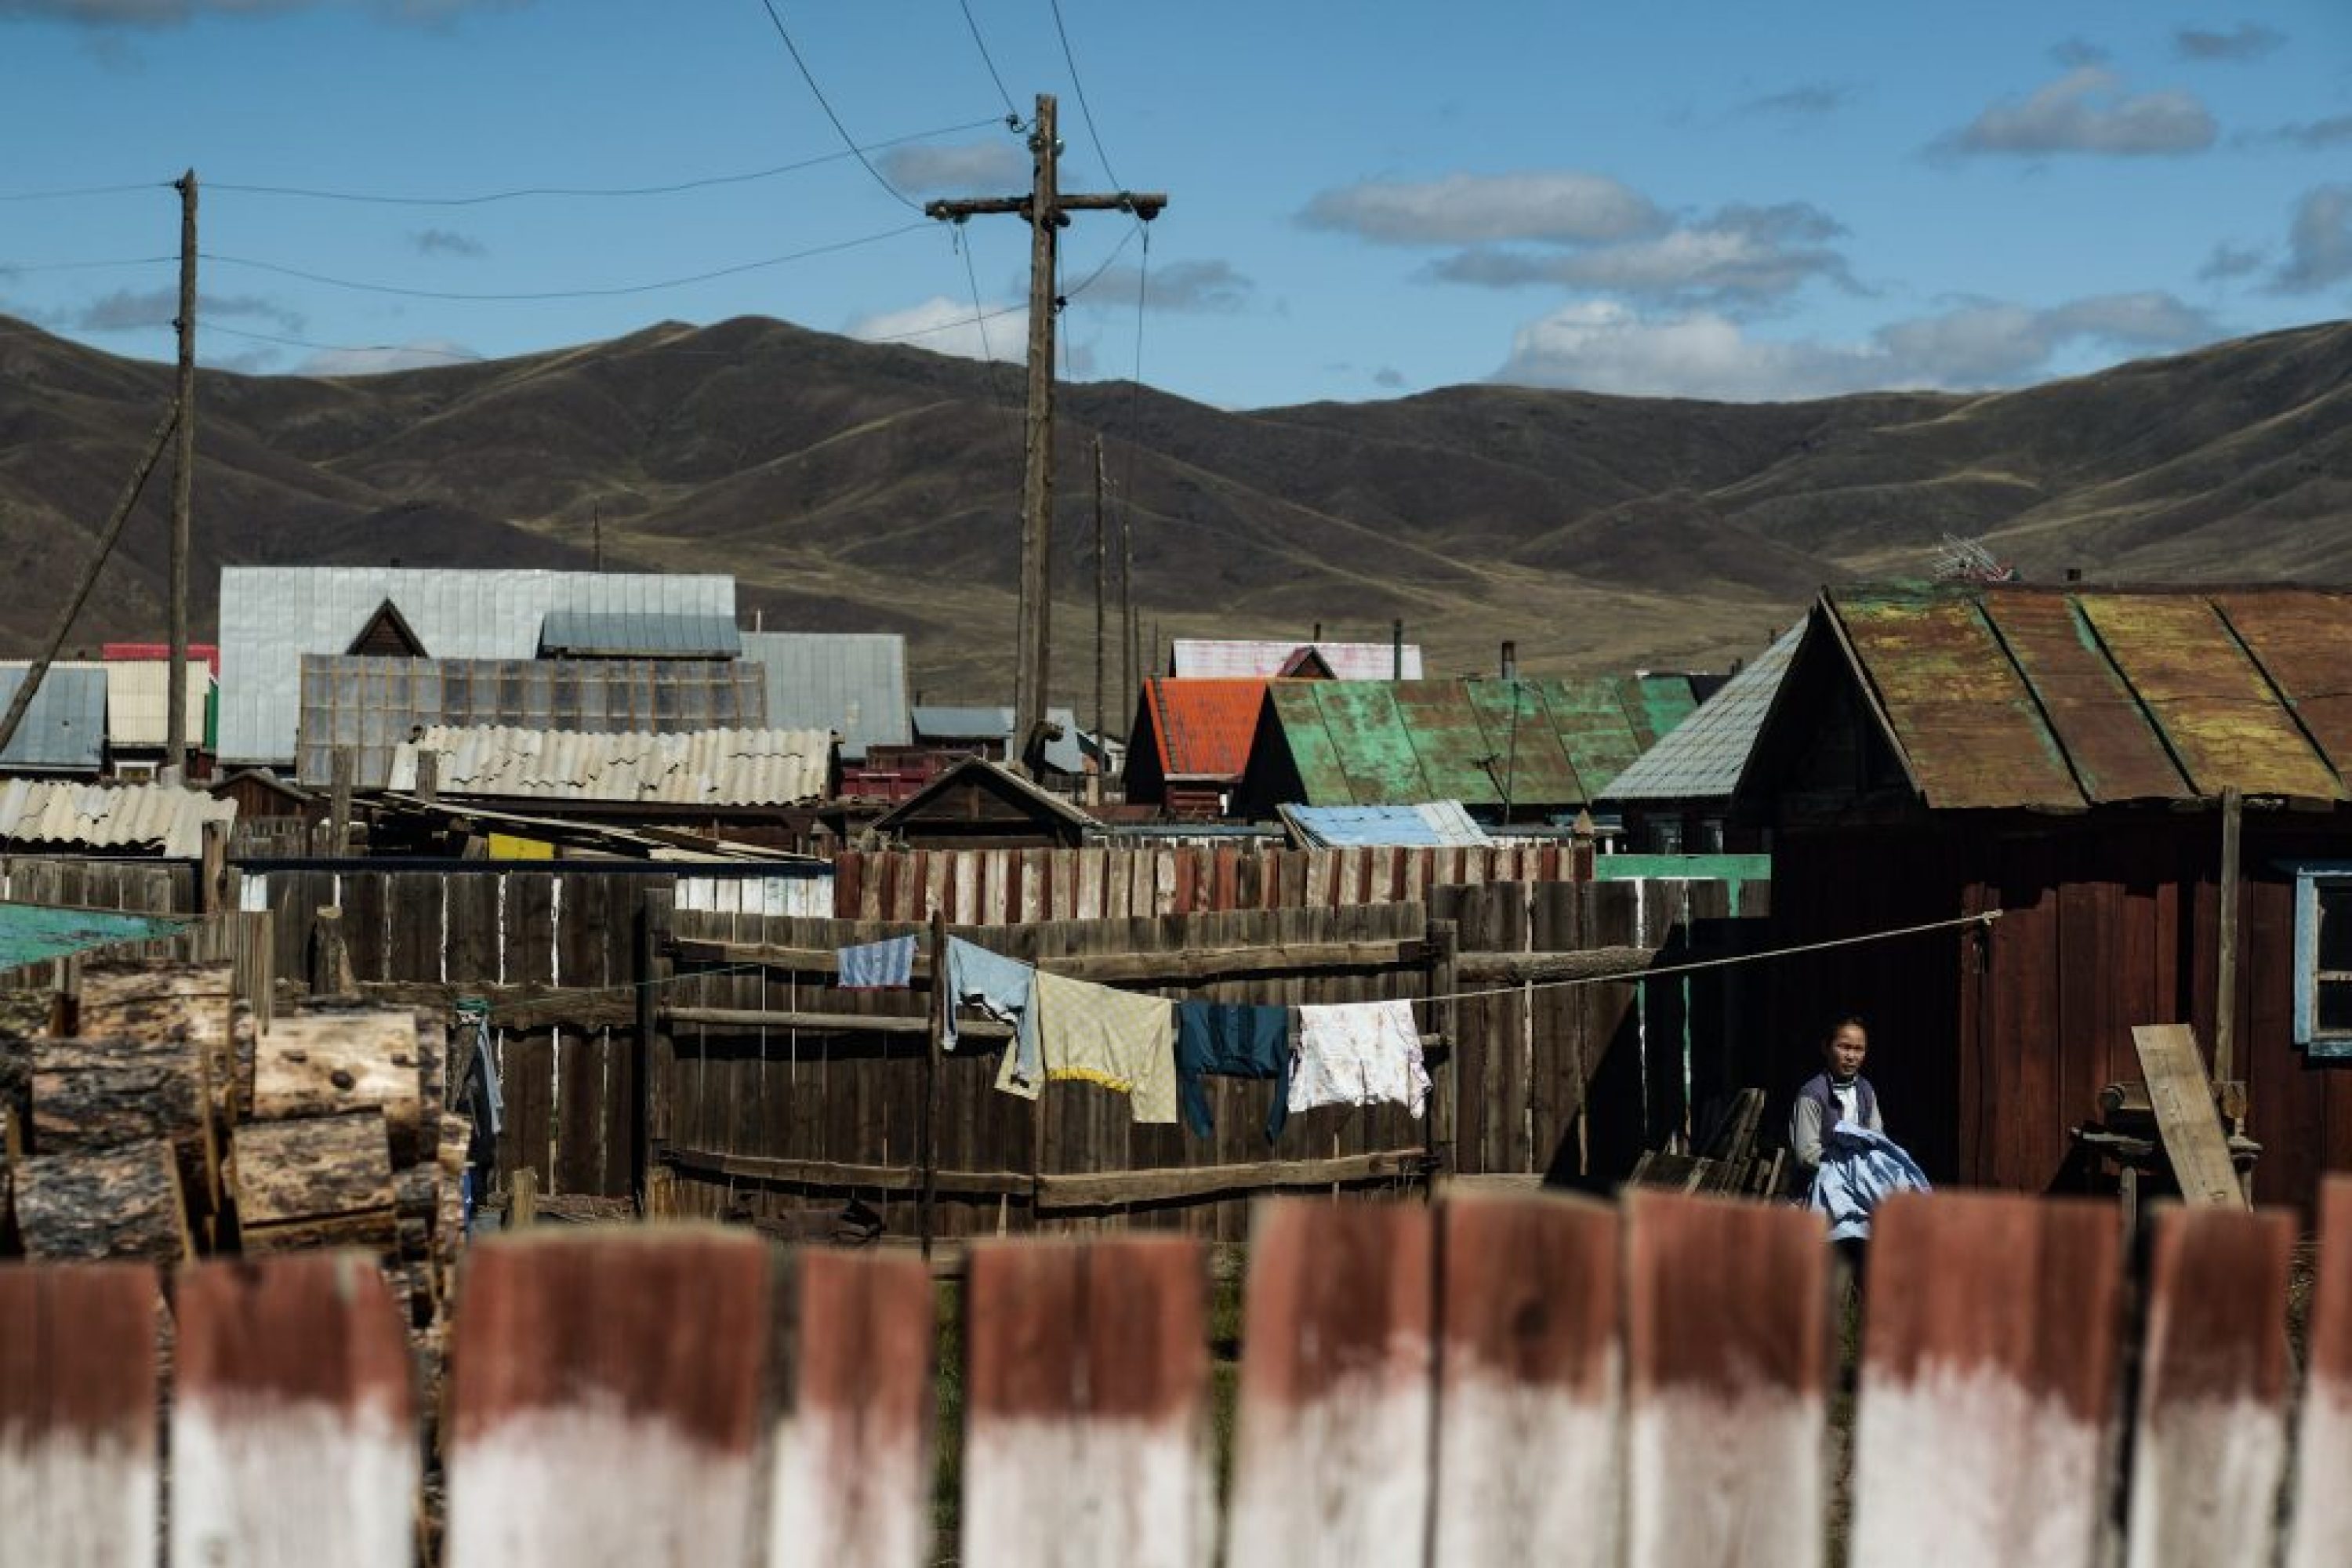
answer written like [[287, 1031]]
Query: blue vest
[[1865, 1100]]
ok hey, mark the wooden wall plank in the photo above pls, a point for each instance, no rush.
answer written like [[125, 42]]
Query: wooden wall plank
[[583, 1359], [2210, 1440], [80, 1483], [293, 1423], [2322, 1530], [1990, 1372], [1726, 1344], [851, 1478], [1529, 1403], [1336, 1388]]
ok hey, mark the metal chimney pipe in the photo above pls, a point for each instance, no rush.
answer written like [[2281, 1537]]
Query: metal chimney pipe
[[1396, 650], [1511, 660]]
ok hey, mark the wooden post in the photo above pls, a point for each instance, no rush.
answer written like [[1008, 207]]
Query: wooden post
[[331, 955], [926, 1124], [649, 1085], [2225, 982], [428, 775], [184, 482], [346, 766], [1101, 576], [522, 1198], [211, 877], [1444, 970]]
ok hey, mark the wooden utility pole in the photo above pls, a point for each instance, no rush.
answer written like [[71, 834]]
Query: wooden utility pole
[[1126, 653], [1047, 210], [1101, 574], [183, 488]]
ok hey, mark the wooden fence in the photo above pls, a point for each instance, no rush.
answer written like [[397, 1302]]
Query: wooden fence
[[136, 887], [1486, 1380]]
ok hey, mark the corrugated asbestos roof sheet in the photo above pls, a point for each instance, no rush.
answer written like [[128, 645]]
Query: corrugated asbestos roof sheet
[[2057, 700], [636, 634], [139, 701], [1201, 728], [143, 818], [853, 683], [968, 723], [272, 615], [1701, 758], [64, 731], [703, 767], [1216, 657], [1442, 824], [34, 933], [1538, 742], [372, 704]]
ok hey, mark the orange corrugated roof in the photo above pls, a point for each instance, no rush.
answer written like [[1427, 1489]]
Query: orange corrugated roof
[[1201, 726]]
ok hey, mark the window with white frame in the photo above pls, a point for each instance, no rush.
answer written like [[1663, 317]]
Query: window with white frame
[[2323, 957]]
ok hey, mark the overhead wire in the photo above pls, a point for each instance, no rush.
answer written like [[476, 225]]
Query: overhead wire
[[66, 194], [818, 93], [980, 321], [464, 355], [1079, 87], [10, 267], [1011, 112]]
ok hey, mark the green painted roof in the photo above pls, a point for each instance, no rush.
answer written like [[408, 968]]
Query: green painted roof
[[32, 933]]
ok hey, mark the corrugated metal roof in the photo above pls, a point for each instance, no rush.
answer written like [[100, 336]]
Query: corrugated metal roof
[[1539, 742], [636, 634], [1701, 758], [2010, 696], [933, 722], [64, 731], [853, 683], [372, 704], [1201, 728], [1267, 657], [34, 933], [703, 767], [139, 701], [272, 615], [148, 818], [1443, 823]]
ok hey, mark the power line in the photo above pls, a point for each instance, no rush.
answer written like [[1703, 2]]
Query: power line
[[818, 93], [10, 267], [83, 191], [455, 354], [987, 355], [562, 293], [591, 191], [1104, 266], [1080, 87], [936, 328], [1011, 112]]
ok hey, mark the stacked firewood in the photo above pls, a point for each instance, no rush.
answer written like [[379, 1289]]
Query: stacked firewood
[[152, 1119]]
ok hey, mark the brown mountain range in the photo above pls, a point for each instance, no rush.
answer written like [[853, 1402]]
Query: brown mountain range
[[851, 486]]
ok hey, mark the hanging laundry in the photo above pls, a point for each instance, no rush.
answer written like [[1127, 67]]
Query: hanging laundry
[[1358, 1052], [879, 966], [1003, 988], [1232, 1040], [1116, 1038]]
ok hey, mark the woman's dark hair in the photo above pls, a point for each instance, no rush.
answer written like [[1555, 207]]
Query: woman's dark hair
[[1856, 1019]]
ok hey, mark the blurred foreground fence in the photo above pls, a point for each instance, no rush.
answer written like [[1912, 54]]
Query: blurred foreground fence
[[1485, 1380]]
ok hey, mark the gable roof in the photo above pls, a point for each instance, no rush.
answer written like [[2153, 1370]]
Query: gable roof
[[1702, 757], [1224, 657], [271, 616], [387, 635], [1528, 742], [934, 723], [64, 730], [701, 767], [2058, 699], [1200, 729], [1001, 780], [853, 683]]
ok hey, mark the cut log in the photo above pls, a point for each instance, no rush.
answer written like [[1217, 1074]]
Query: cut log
[[320, 1180], [328, 1064], [90, 1094], [124, 1201]]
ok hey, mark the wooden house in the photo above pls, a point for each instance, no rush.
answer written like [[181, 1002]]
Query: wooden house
[[979, 805], [2056, 767], [1191, 743]]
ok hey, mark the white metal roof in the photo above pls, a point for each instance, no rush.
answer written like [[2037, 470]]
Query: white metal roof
[[1702, 757], [702, 767], [1236, 657], [853, 683], [272, 615], [110, 816]]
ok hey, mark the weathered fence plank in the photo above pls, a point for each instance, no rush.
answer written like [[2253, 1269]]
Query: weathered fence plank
[[2322, 1531], [293, 1423], [80, 1469], [1982, 1433], [1726, 1344]]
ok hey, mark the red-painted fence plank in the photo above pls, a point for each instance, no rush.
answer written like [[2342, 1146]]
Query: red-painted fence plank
[[1086, 1400], [294, 1420], [1529, 1372], [851, 1485], [1987, 1383], [79, 1484], [606, 1390], [1727, 1343], [1331, 1460], [2210, 1438], [2322, 1527]]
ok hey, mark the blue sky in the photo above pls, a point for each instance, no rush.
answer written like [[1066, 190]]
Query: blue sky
[[1743, 199]]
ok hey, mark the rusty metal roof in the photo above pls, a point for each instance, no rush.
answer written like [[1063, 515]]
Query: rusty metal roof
[[138, 817], [1538, 742], [1200, 729], [703, 767], [2011, 696]]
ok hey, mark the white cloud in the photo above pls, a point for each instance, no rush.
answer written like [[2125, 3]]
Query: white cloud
[[2088, 110], [126, 311], [447, 242], [2318, 242], [2336, 130], [984, 168], [1739, 253], [2246, 41], [423, 353], [1182, 288], [2230, 261], [1811, 101], [1599, 346], [2079, 51], [949, 327], [1558, 207]]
